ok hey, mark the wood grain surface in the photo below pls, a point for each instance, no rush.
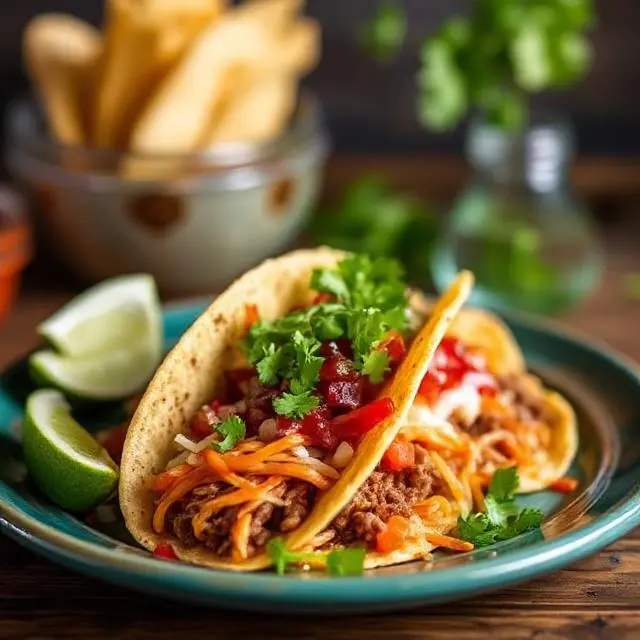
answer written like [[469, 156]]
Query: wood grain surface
[[598, 598]]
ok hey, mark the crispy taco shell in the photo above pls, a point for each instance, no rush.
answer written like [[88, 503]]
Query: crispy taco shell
[[192, 373]]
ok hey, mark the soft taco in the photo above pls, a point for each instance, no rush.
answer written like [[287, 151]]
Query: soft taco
[[307, 403]]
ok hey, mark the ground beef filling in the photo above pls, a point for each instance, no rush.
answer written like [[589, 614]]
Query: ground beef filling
[[383, 495], [268, 519], [523, 394]]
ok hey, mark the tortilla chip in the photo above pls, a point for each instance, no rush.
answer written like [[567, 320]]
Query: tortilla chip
[[192, 373], [62, 56]]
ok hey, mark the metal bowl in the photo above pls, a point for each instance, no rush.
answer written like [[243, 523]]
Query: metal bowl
[[192, 221]]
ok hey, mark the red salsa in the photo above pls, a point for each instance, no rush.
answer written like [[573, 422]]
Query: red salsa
[[454, 365]]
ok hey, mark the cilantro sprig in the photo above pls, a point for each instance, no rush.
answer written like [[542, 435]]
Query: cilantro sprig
[[370, 300], [502, 519], [339, 562], [232, 430]]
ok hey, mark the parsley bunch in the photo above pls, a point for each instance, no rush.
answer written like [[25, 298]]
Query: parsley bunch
[[502, 519], [370, 300]]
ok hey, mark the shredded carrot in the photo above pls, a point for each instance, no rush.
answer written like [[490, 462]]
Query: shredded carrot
[[199, 475], [564, 485], [434, 440], [447, 542], [489, 404], [238, 496], [476, 484], [240, 537], [248, 446], [217, 463], [448, 477], [433, 507], [163, 481], [238, 462], [293, 470]]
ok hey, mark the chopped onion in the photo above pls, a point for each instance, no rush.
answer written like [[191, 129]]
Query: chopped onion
[[185, 443], [181, 458], [314, 452], [342, 456], [193, 459], [206, 442], [268, 430], [241, 406], [210, 414], [106, 513], [300, 452]]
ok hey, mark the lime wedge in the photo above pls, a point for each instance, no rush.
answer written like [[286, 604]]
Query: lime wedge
[[67, 463], [108, 341], [118, 310]]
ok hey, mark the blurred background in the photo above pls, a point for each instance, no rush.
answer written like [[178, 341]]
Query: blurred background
[[492, 135]]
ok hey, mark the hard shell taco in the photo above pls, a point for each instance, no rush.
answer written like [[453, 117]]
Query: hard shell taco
[[305, 403], [275, 406]]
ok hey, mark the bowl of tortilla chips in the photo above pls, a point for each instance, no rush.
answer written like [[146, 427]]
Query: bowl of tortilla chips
[[175, 140]]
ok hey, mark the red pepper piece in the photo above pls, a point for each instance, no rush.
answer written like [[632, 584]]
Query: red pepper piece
[[394, 345], [287, 426], [165, 552], [356, 423], [400, 455], [322, 297], [564, 485]]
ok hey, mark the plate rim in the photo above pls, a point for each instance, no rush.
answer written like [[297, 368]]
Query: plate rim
[[487, 574]]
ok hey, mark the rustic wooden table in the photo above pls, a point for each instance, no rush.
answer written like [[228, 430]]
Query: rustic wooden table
[[598, 598]]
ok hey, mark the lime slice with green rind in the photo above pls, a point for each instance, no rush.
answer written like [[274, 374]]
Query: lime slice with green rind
[[65, 461], [116, 310], [105, 376], [108, 341]]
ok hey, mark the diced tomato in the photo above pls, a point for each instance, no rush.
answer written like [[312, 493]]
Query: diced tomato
[[401, 454], [394, 345], [322, 297], [113, 442], [317, 425], [356, 423], [342, 394], [393, 536], [564, 485], [453, 366], [337, 367], [251, 316], [341, 347], [165, 552], [287, 426]]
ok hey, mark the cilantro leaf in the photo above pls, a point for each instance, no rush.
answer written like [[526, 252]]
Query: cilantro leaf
[[501, 519], [346, 562], [307, 362], [272, 362], [297, 403], [340, 562], [375, 364], [330, 281], [504, 484], [232, 429]]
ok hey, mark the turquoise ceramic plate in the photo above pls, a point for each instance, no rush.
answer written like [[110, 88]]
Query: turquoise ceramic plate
[[603, 387]]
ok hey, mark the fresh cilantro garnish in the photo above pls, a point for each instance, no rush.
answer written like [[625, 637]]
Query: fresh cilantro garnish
[[370, 300], [296, 403], [232, 429], [502, 519], [340, 562], [375, 364]]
